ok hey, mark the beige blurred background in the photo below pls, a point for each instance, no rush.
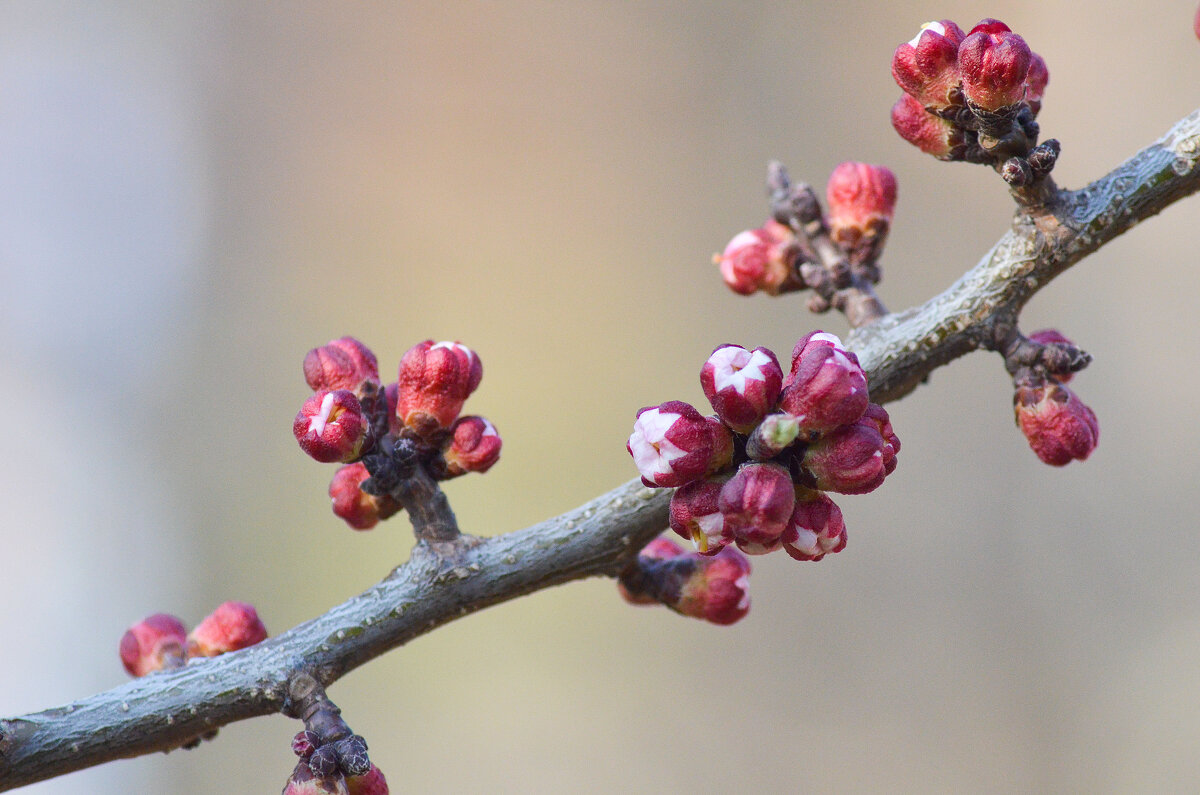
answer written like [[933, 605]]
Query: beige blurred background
[[193, 195]]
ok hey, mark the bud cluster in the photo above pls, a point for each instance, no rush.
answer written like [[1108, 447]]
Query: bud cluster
[[973, 96], [861, 200], [352, 415], [333, 766], [756, 474], [161, 641], [1059, 427], [714, 588]]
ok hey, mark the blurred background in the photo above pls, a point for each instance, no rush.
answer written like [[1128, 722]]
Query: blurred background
[[193, 195]]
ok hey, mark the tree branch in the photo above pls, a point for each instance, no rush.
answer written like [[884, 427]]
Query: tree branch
[[445, 580]]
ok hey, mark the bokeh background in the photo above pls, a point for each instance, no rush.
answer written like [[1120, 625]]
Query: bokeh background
[[193, 195]]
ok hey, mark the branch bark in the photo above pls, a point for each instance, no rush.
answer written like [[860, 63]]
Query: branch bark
[[448, 579]]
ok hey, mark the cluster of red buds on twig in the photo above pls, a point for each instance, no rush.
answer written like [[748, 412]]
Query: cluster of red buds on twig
[[333, 760], [1059, 426], [756, 475], [388, 435], [974, 97]]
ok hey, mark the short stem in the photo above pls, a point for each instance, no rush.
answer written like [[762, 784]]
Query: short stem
[[428, 509]]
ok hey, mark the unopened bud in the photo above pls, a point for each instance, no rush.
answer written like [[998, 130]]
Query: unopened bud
[[773, 435], [994, 64], [757, 503], [826, 387], [927, 67], [154, 643], [1054, 337], [674, 444], [473, 446], [741, 385], [1059, 426], [232, 626], [932, 134], [331, 426], [344, 363], [759, 259], [861, 199], [696, 515], [370, 783], [304, 743], [855, 458], [638, 586], [718, 589], [358, 509], [816, 528], [435, 380], [1035, 83], [304, 781]]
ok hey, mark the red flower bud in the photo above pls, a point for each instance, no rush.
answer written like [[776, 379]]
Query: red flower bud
[[304, 743], [473, 446], [1059, 426], [718, 589], [816, 528], [331, 426], [358, 509], [696, 515], [741, 386], [927, 67], [659, 549], [304, 782], [994, 64], [232, 626], [854, 459], [826, 387], [435, 380], [759, 259], [674, 444], [932, 134], [1035, 83], [154, 643], [371, 783], [344, 363], [757, 503], [861, 200]]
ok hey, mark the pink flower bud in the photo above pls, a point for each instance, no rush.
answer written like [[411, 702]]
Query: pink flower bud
[[1035, 83], [358, 509], [473, 446], [757, 503], [331, 426], [861, 200], [932, 134], [718, 589], [435, 380], [816, 528], [855, 458], [641, 591], [370, 783], [674, 444], [1059, 426], [759, 259], [741, 386], [344, 363], [826, 387], [696, 515], [154, 643], [232, 626], [927, 67], [773, 435], [304, 743], [304, 782], [994, 64]]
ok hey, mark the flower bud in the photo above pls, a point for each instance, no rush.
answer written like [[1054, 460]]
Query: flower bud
[[927, 67], [232, 626], [773, 435], [154, 643], [473, 446], [718, 589], [741, 386], [1059, 426], [638, 587], [304, 743], [759, 259], [1049, 336], [696, 515], [861, 200], [826, 387], [435, 380], [674, 444], [344, 363], [932, 134], [331, 426], [1035, 83], [816, 528], [304, 782], [855, 458], [370, 783], [757, 503], [994, 64], [358, 509]]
